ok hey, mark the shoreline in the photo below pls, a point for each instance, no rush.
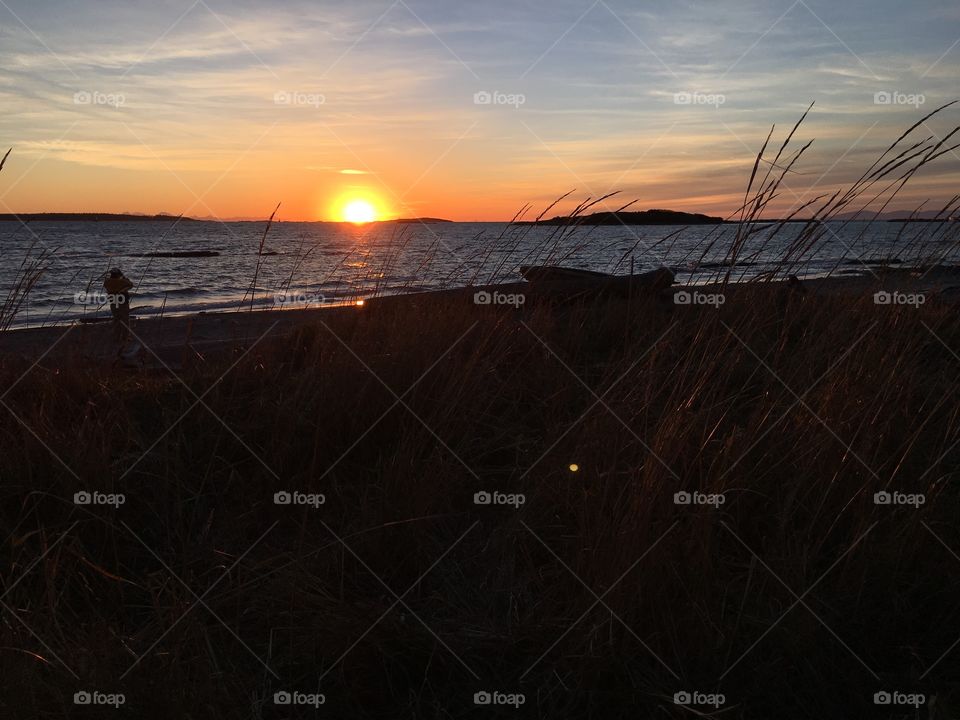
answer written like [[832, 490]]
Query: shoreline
[[175, 338]]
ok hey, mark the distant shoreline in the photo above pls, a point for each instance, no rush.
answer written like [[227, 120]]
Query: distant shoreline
[[130, 217], [645, 217], [90, 217]]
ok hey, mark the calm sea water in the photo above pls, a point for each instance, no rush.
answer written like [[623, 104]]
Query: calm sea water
[[313, 264]]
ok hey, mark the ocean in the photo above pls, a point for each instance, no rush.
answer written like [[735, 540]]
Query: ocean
[[320, 263]]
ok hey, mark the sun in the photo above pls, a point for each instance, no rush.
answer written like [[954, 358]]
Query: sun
[[359, 211]]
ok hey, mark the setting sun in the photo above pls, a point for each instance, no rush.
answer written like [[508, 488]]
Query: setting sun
[[359, 211]]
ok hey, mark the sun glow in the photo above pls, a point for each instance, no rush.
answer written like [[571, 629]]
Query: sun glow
[[359, 211]]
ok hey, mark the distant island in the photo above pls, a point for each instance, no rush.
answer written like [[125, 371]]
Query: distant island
[[408, 221], [88, 217], [950, 219], [642, 217], [896, 216]]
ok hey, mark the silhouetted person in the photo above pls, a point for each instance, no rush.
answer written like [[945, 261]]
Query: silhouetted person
[[118, 287]]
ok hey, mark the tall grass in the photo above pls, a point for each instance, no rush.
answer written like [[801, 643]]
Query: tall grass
[[28, 274]]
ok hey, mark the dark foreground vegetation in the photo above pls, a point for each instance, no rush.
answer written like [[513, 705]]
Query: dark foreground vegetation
[[798, 592]]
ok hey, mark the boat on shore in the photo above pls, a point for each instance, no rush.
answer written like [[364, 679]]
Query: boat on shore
[[555, 277]]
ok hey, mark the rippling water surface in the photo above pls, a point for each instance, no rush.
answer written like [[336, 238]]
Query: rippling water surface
[[324, 263]]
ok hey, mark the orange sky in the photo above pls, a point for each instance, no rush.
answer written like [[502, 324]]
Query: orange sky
[[219, 110]]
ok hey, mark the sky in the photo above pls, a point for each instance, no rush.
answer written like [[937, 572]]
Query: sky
[[467, 111]]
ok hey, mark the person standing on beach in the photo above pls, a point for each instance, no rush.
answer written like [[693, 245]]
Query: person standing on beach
[[118, 287]]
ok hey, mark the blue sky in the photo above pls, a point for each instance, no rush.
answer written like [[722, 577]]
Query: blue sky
[[178, 106]]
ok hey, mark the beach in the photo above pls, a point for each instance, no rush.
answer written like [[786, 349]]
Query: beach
[[184, 337]]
